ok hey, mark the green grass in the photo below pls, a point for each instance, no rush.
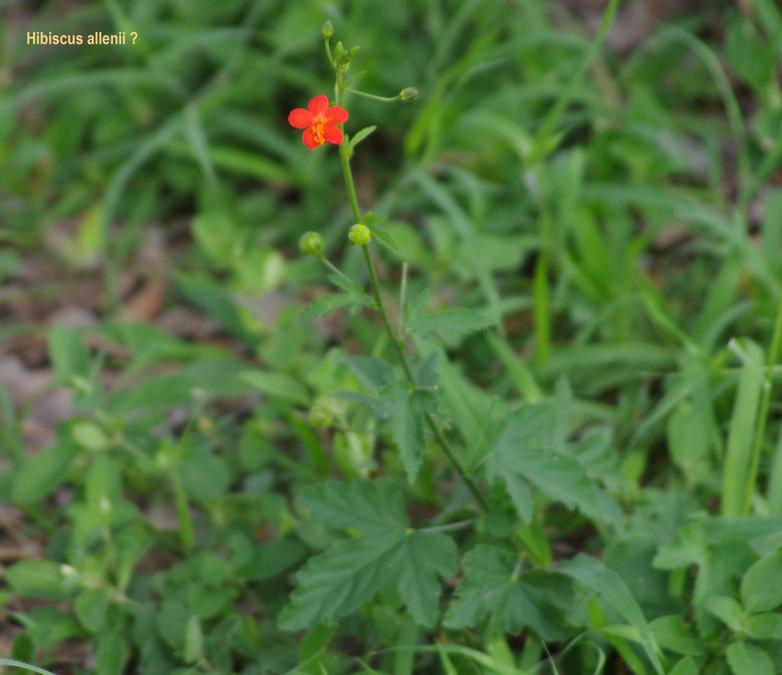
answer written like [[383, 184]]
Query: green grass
[[533, 428]]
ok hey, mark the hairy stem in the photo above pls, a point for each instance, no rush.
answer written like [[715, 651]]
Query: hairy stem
[[395, 341]]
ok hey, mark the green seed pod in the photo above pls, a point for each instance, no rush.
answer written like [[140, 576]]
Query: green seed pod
[[320, 416], [360, 234], [327, 30], [311, 243], [408, 94]]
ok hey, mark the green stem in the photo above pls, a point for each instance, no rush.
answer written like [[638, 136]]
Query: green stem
[[185, 523], [351, 187], [344, 154], [374, 97], [398, 348], [335, 269], [765, 403]]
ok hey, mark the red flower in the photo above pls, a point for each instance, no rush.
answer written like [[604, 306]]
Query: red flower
[[319, 122]]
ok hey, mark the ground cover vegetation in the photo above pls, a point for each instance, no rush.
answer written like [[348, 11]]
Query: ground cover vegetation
[[391, 337]]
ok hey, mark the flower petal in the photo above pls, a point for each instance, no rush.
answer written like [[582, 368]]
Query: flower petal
[[333, 134], [308, 139], [300, 118], [337, 115], [318, 105]]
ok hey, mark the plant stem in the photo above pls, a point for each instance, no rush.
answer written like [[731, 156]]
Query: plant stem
[[395, 341], [349, 184], [765, 402], [374, 97], [183, 511]]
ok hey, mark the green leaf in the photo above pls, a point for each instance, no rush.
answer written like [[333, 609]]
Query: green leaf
[[172, 623], [112, 654], [278, 385], [68, 353], [338, 581], [727, 610], [326, 304], [766, 626], [90, 608], [760, 587], [407, 428], [686, 666], [747, 659], [688, 441], [217, 235], [528, 449], [193, 650], [40, 579], [742, 431], [360, 136], [204, 476], [613, 591], [42, 473], [361, 505], [370, 371], [450, 325], [671, 632], [493, 587]]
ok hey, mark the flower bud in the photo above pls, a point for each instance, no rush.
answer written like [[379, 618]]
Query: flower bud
[[327, 30], [320, 416], [408, 94], [311, 243], [339, 51], [360, 234], [354, 51]]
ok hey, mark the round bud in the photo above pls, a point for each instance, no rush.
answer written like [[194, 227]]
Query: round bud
[[311, 243], [408, 94], [354, 51], [204, 424], [327, 30], [320, 416], [359, 234]]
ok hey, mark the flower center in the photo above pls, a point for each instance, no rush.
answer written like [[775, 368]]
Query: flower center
[[317, 127]]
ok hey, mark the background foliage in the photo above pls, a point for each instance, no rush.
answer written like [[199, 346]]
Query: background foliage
[[200, 474]]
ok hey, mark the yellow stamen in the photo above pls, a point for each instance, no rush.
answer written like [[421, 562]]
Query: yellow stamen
[[317, 128]]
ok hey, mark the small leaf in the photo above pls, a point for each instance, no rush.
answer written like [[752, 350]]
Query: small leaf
[[112, 654], [90, 608], [278, 385], [204, 476], [39, 579], [528, 449], [407, 429], [747, 659], [370, 371], [68, 353], [360, 136], [326, 304], [172, 622], [493, 588], [361, 505], [671, 632], [760, 587], [450, 325], [42, 473], [766, 626], [193, 650], [727, 610], [614, 592], [686, 666]]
